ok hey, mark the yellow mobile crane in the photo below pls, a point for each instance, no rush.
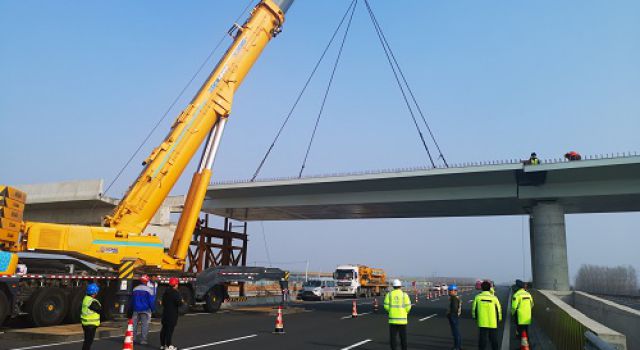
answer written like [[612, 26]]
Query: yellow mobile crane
[[120, 243]]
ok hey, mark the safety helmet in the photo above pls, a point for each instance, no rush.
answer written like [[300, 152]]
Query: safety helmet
[[519, 284], [453, 287], [397, 283], [144, 279], [92, 289], [173, 281]]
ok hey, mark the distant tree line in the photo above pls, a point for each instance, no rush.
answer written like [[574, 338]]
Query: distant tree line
[[619, 280]]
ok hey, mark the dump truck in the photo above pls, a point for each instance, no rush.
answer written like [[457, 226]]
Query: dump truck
[[359, 281], [49, 290]]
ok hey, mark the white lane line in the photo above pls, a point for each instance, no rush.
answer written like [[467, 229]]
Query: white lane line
[[362, 314], [220, 342], [428, 317], [198, 314], [506, 332], [470, 301], [70, 342], [356, 344]]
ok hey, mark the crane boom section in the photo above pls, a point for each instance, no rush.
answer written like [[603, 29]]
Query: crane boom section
[[212, 102]]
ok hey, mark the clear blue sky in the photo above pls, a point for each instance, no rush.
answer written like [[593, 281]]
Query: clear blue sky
[[83, 82]]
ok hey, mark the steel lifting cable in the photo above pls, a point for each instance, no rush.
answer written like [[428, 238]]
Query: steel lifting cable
[[166, 113], [304, 88], [404, 95], [326, 92], [393, 56]]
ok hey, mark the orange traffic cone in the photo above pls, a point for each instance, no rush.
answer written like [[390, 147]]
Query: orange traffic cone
[[279, 322], [354, 310], [524, 341], [375, 304], [128, 336], [416, 296]]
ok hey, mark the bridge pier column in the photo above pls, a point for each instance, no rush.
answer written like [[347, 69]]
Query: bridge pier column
[[549, 264]]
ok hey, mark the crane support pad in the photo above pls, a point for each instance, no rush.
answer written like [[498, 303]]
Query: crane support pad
[[11, 204], [10, 225], [11, 214], [9, 236]]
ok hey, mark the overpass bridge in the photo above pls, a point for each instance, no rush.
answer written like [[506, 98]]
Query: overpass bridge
[[545, 192]]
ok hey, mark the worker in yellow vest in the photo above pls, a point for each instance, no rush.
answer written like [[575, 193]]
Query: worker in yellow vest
[[487, 311], [90, 315], [398, 305], [521, 306]]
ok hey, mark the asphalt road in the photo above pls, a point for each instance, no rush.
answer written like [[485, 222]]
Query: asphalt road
[[322, 325]]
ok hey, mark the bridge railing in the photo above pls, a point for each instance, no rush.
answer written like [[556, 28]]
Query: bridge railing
[[593, 342], [566, 327]]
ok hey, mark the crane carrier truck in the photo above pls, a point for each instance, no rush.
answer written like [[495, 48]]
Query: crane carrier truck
[[113, 255], [359, 280]]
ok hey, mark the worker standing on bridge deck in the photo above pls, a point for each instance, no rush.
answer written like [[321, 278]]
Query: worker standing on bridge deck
[[453, 314], [521, 305], [398, 305], [533, 159], [487, 311], [142, 306], [90, 315]]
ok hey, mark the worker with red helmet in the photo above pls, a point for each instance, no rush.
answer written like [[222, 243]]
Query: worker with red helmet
[[142, 305], [171, 301], [573, 155]]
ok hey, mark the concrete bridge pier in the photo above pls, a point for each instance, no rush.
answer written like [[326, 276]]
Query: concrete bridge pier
[[549, 264]]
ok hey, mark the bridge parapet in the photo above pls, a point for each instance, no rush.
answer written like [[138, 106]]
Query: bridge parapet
[[567, 326]]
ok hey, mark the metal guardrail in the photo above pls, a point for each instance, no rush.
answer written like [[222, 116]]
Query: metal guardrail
[[564, 331], [593, 342]]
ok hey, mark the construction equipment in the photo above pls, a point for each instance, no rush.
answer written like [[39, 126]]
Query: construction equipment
[[120, 248], [359, 280]]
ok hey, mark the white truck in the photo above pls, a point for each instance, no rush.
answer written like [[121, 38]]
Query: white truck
[[359, 280]]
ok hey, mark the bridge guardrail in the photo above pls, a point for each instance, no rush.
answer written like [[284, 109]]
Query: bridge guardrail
[[566, 327], [593, 342]]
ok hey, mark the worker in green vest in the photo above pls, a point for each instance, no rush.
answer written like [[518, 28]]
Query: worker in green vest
[[487, 311], [90, 315], [521, 305], [398, 305]]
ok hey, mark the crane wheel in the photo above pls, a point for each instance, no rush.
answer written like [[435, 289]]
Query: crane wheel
[[4, 307], [47, 307], [75, 305], [187, 297]]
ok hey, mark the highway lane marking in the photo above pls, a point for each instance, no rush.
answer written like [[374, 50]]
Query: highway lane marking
[[350, 316], [507, 326], [70, 342], [220, 342], [198, 314], [356, 344], [426, 318]]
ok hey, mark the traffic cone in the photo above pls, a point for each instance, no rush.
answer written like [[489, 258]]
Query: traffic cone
[[279, 323], [375, 304], [416, 296], [128, 336], [354, 310], [524, 341]]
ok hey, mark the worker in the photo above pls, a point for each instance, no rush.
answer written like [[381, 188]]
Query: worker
[[453, 314], [171, 301], [521, 306], [533, 159], [573, 155], [487, 311], [398, 305], [90, 315], [142, 306], [153, 284]]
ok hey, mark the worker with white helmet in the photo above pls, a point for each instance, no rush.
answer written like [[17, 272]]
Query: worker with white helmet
[[398, 305]]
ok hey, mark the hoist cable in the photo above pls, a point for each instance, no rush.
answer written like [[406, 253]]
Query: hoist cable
[[304, 88], [415, 101], [166, 113], [326, 92], [395, 74]]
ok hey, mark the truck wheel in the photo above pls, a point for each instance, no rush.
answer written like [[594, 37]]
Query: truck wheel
[[108, 300], [213, 299], [4, 307], [47, 307], [75, 305], [187, 297]]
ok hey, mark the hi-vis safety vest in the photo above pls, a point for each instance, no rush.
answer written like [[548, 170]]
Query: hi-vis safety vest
[[398, 305], [89, 317], [521, 304], [486, 310]]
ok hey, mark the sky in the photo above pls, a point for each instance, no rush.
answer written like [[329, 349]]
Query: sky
[[82, 83]]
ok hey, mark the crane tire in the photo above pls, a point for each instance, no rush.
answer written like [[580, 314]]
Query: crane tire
[[213, 299], [75, 305], [5, 307], [187, 298], [47, 307]]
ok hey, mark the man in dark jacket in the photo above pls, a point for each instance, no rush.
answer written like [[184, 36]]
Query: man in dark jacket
[[171, 301], [453, 314]]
